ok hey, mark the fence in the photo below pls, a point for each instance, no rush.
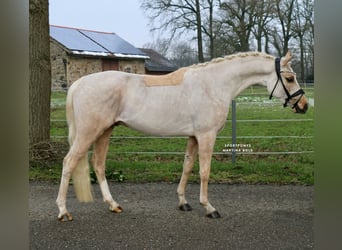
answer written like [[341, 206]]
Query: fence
[[232, 148]]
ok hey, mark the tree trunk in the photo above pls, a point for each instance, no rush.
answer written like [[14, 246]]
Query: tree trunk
[[301, 45], [267, 40], [199, 32], [259, 43], [40, 72], [211, 31]]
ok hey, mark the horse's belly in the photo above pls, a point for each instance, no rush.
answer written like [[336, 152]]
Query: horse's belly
[[161, 131], [161, 124]]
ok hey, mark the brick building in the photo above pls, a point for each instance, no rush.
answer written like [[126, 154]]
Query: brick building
[[78, 52]]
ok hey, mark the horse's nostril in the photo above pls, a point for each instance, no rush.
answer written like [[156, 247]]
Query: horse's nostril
[[302, 110]]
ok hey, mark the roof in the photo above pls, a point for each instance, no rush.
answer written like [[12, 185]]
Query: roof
[[157, 62], [94, 43]]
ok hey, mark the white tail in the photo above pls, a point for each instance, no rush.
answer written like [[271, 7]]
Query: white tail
[[81, 180], [80, 175]]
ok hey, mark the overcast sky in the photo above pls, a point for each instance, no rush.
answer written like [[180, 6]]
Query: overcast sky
[[123, 17]]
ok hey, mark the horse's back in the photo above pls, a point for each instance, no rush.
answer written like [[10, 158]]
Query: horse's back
[[103, 79]]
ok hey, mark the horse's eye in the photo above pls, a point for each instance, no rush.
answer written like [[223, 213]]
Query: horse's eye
[[290, 79]]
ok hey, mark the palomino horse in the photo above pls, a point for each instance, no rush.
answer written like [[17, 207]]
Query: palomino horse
[[193, 101]]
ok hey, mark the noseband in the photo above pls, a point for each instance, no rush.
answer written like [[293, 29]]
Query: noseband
[[289, 97]]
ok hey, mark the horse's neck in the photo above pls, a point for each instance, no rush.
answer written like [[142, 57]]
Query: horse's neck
[[247, 71]]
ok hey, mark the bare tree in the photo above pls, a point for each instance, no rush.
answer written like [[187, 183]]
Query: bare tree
[[282, 30], [199, 31], [161, 45], [229, 26], [208, 24], [303, 29], [182, 54], [309, 39], [40, 72], [264, 13], [239, 17], [178, 17]]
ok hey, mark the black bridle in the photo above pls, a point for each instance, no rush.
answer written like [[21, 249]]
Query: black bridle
[[289, 96]]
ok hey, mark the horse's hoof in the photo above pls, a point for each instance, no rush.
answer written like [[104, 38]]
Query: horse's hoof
[[214, 215], [117, 209], [65, 217], [185, 207]]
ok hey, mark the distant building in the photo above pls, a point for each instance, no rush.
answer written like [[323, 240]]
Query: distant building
[[78, 52], [157, 64]]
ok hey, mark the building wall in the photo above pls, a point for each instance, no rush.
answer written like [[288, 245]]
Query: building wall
[[132, 66], [58, 68], [80, 66]]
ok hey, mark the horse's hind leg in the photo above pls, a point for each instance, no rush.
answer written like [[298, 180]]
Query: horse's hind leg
[[71, 160], [189, 159], [99, 161]]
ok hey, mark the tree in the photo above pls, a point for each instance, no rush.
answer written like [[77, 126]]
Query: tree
[[199, 31], [284, 11], [161, 45], [208, 24], [182, 54], [229, 26], [309, 39], [40, 72], [303, 31], [177, 16], [264, 13], [239, 17]]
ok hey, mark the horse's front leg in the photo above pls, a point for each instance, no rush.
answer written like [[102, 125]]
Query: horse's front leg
[[206, 145], [189, 159]]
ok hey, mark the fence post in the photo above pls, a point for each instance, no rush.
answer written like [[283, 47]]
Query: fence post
[[233, 132]]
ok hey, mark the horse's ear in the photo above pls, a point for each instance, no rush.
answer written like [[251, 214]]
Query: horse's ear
[[287, 58]]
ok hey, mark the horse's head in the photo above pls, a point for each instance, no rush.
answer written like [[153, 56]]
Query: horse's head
[[288, 89]]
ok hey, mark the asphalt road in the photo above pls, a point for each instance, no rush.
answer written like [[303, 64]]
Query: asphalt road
[[253, 217]]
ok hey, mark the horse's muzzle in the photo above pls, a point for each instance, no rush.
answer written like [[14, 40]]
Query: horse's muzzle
[[302, 106]]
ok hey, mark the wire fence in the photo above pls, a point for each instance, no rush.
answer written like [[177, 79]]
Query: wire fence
[[233, 148]]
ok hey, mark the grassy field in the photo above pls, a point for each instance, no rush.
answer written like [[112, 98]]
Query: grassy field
[[126, 160]]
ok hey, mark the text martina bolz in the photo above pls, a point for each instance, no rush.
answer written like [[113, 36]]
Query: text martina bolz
[[238, 147]]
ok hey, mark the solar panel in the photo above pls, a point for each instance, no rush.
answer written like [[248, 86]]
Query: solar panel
[[88, 42], [74, 40], [113, 43]]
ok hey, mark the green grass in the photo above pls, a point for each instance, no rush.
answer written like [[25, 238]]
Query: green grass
[[280, 169]]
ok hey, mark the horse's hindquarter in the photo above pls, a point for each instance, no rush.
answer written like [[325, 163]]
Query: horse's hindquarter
[[97, 99]]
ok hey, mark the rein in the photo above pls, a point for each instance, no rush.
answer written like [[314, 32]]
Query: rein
[[289, 96]]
